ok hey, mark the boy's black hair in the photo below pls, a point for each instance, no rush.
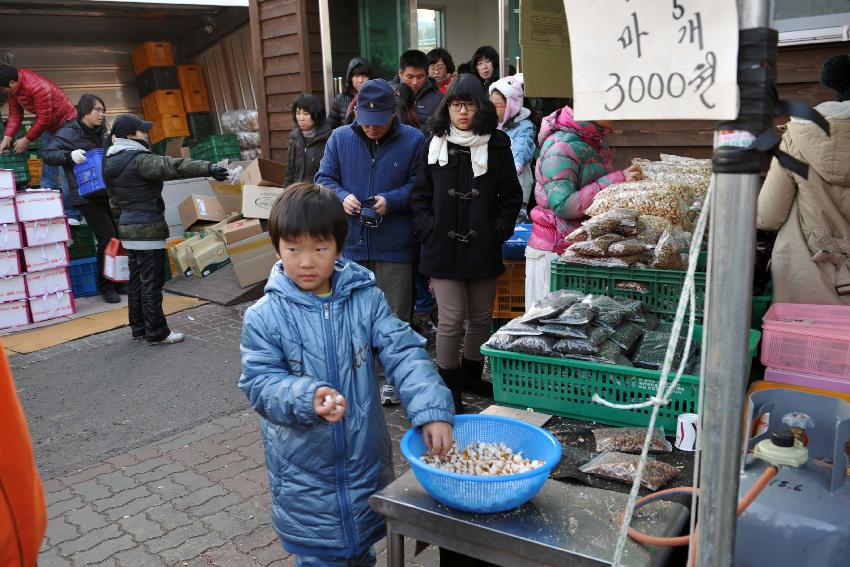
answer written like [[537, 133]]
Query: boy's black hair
[[311, 104], [435, 55], [86, 104], [466, 88], [464, 69], [413, 58], [485, 52], [405, 104], [308, 208], [8, 73]]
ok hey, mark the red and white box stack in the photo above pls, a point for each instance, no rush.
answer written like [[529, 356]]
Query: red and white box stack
[[34, 281]]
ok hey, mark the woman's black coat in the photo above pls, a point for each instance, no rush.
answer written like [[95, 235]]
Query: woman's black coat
[[463, 221]]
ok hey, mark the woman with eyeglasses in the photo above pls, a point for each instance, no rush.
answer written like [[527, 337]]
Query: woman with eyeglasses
[[464, 203], [68, 148]]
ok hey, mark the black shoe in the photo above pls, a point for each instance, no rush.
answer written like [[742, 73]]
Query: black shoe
[[471, 378], [451, 377], [111, 296]]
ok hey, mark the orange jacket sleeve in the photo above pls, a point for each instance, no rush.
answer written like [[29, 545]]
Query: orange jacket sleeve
[[23, 516]]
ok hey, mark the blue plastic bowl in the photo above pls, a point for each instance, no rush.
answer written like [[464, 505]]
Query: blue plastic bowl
[[486, 494]]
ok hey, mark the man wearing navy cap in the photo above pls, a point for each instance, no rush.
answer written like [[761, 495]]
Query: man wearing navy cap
[[372, 164]]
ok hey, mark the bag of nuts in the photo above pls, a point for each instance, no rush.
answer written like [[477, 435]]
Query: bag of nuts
[[623, 467], [630, 440]]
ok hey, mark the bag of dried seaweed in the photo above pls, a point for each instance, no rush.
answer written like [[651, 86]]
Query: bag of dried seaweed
[[517, 328], [611, 313], [540, 345], [627, 336], [500, 341], [564, 331], [588, 346], [551, 305], [580, 313], [623, 467], [630, 440], [653, 347]]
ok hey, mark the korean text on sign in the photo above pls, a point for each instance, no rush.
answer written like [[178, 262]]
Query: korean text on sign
[[654, 59]]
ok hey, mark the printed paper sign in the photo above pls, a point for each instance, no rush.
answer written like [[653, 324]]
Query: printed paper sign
[[654, 59]]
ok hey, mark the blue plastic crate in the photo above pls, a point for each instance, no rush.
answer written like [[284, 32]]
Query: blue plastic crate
[[84, 277], [90, 174], [514, 247]]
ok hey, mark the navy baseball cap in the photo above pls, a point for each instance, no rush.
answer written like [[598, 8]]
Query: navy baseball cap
[[127, 124], [375, 103]]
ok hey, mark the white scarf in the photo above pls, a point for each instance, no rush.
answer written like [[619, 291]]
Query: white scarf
[[438, 151]]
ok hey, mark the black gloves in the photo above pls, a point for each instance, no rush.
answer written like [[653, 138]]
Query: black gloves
[[219, 173]]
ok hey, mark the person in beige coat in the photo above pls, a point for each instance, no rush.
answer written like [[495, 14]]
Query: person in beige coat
[[811, 257]]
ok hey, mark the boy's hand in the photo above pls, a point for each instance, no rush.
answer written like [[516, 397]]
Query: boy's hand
[[332, 410], [438, 437]]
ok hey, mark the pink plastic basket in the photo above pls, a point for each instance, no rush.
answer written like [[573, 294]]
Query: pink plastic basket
[[810, 339], [807, 380]]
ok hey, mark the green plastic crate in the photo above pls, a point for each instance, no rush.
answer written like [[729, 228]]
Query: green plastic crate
[[565, 387], [201, 125], [83, 245], [665, 286], [18, 163], [216, 148]]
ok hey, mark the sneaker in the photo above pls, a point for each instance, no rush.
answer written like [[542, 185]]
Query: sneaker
[[111, 296], [73, 222], [172, 338], [389, 396]]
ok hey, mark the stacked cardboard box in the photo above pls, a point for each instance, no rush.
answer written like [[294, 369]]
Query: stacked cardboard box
[[34, 256]]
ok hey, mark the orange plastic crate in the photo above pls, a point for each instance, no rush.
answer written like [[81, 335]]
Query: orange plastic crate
[[510, 295], [152, 54], [34, 166], [169, 126], [161, 103], [195, 97]]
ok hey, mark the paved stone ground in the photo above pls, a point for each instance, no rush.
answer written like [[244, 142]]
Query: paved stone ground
[[198, 498]]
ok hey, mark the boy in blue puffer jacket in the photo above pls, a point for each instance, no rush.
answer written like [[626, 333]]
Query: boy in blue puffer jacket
[[307, 370]]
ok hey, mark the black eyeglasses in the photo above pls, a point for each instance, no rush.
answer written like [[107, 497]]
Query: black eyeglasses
[[457, 105]]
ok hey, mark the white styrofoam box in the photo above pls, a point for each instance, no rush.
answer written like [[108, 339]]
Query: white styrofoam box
[[7, 183], [38, 258], [116, 263], [11, 236], [46, 231], [48, 281], [8, 213], [51, 306], [13, 288], [10, 263], [14, 314], [39, 204]]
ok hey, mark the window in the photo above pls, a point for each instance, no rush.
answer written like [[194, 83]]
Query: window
[[430, 24], [812, 21]]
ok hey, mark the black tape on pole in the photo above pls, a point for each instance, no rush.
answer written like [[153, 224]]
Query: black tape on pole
[[759, 104]]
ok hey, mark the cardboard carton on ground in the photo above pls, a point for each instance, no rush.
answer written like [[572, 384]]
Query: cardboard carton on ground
[[208, 255], [257, 200], [8, 213], [218, 228], [13, 288], [48, 231], [10, 263], [11, 237], [39, 204], [14, 314], [253, 259], [7, 183], [229, 195], [182, 255], [241, 229], [169, 250], [197, 209], [262, 172], [40, 258], [48, 281], [51, 306]]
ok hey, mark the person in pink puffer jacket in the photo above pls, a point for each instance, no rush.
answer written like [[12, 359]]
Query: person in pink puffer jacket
[[575, 164]]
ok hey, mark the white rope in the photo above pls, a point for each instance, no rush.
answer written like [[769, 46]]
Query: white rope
[[688, 298]]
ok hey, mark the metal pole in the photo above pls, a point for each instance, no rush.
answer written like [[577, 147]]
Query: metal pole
[[503, 36], [327, 54], [724, 363]]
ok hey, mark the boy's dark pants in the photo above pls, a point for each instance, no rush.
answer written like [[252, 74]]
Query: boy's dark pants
[[147, 277]]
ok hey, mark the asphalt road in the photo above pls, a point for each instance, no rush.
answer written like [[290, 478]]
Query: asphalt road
[[99, 396]]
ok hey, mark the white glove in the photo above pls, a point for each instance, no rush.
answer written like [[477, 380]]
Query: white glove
[[79, 156]]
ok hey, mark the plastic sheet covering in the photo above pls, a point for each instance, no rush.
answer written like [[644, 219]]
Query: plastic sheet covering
[[241, 120]]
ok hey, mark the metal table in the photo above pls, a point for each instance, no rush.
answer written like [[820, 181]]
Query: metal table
[[562, 525]]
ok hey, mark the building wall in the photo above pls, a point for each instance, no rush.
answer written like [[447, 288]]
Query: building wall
[[469, 25], [287, 61], [799, 70]]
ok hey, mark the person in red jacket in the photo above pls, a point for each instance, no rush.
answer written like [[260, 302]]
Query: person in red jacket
[[28, 91], [23, 514]]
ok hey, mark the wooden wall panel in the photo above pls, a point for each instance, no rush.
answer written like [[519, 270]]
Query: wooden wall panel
[[287, 58]]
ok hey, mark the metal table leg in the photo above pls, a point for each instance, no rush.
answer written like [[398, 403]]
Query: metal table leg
[[395, 549]]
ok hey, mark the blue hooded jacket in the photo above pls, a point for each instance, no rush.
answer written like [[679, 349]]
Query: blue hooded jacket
[[355, 164], [322, 474]]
